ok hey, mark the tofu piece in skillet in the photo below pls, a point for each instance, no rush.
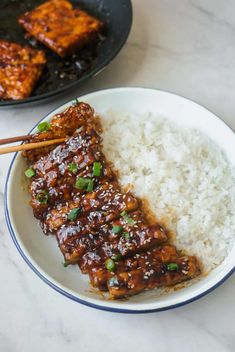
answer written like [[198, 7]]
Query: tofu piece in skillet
[[20, 69], [60, 27]]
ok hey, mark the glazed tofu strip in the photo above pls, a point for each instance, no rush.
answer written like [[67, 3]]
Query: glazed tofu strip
[[115, 239], [136, 241], [60, 27], [102, 205], [76, 240], [20, 69], [75, 149], [57, 174], [63, 189], [61, 182], [151, 273], [63, 124], [100, 276]]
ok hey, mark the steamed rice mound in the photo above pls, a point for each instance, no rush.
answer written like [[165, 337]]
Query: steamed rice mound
[[186, 178]]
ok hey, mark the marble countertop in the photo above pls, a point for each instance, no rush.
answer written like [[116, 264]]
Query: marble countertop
[[186, 47]]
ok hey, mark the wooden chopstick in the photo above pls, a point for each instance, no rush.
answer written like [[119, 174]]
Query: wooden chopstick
[[29, 146], [15, 139]]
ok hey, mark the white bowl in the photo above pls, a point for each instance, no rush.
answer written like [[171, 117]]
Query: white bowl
[[41, 252]]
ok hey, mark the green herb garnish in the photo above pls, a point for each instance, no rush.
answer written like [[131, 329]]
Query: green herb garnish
[[123, 213], [75, 101], [127, 218], [42, 196], [97, 167], [65, 264], [72, 215], [117, 257], [130, 221], [90, 185], [126, 235], [117, 229], [30, 172], [109, 264], [172, 266], [80, 183], [43, 126], [73, 167], [86, 184]]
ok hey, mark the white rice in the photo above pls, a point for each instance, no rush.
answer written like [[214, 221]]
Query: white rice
[[186, 178]]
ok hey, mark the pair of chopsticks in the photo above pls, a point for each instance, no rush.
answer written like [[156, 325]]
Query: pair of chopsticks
[[28, 146]]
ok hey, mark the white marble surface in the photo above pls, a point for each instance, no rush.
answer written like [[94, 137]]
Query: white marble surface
[[184, 46]]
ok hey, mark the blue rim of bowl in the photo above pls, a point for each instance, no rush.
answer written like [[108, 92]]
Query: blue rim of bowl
[[69, 295]]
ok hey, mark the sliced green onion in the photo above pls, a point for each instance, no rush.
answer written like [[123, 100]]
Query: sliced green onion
[[117, 229], [172, 266], [42, 196], [109, 264], [80, 183], [73, 167], [130, 221], [127, 218], [113, 281], [86, 184], [72, 215], [65, 264], [97, 167], [30, 172], [75, 101], [126, 235], [43, 126], [117, 256], [90, 185]]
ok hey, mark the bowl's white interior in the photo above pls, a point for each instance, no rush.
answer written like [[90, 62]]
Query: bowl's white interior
[[42, 251]]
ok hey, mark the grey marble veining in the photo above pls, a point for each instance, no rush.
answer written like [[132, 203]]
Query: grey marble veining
[[186, 47]]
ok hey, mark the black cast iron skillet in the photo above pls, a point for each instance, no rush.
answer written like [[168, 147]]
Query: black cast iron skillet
[[62, 74]]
